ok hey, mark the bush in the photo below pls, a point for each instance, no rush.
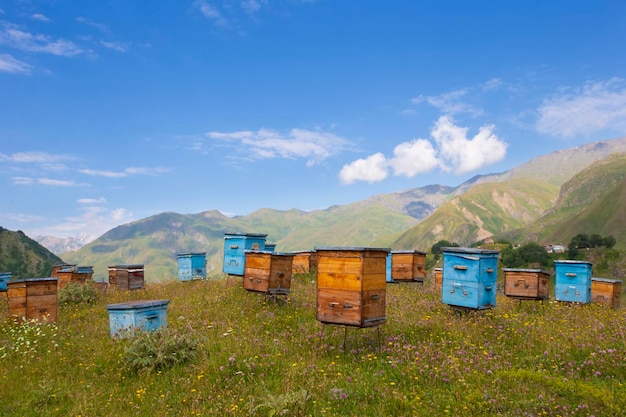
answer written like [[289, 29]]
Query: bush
[[78, 293], [158, 350]]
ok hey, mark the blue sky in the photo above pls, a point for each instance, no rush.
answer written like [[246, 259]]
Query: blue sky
[[117, 110]]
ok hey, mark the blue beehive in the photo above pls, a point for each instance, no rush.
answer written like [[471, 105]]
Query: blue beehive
[[4, 278], [388, 268], [146, 315], [469, 277], [191, 265], [235, 245], [270, 247], [572, 281]]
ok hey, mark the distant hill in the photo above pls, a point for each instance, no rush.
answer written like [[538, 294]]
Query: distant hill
[[24, 257], [592, 201], [485, 205]]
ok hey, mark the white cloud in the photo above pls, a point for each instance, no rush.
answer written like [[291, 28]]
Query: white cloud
[[57, 183], [251, 6], [126, 172], [584, 111], [450, 103], [116, 46], [211, 12], [100, 200], [371, 169], [454, 152], [16, 38], [13, 65], [297, 143], [462, 154], [23, 181], [414, 157], [102, 28], [36, 157], [40, 17]]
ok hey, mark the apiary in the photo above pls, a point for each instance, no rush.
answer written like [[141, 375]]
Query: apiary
[[144, 315], [351, 285], [572, 281], [606, 291], [469, 277], [438, 273], [526, 283], [191, 265], [126, 277], [33, 298], [268, 272], [5, 277], [73, 273], [235, 245], [304, 262], [408, 266]]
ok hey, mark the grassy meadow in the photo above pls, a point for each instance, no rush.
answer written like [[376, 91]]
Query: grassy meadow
[[243, 353]]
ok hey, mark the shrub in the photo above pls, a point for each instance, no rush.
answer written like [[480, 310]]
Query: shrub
[[158, 350], [78, 293]]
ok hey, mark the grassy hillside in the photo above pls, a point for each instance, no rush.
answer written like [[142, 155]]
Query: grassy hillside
[[24, 257], [254, 356], [588, 203], [482, 211], [155, 241]]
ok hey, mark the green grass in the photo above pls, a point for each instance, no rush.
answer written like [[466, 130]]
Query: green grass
[[258, 356]]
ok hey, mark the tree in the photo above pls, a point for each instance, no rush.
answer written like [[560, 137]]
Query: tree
[[531, 254], [436, 248], [608, 241]]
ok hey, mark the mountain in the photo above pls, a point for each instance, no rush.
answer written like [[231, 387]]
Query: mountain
[[412, 219], [58, 245], [24, 257], [592, 201]]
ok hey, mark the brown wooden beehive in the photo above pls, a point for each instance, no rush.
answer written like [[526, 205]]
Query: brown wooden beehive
[[33, 298], [351, 285], [526, 283], [126, 277], [606, 291], [268, 272], [408, 265], [438, 272], [304, 262], [72, 273]]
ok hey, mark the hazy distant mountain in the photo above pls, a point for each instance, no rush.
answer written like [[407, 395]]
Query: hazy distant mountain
[[24, 257], [483, 206], [58, 245]]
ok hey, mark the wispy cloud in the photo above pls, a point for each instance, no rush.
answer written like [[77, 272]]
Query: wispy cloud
[[99, 26], [36, 157], [40, 17], [211, 12], [316, 146], [13, 65], [92, 201], [12, 36], [252, 6], [453, 150], [460, 101], [586, 110], [45, 181], [126, 172], [116, 46]]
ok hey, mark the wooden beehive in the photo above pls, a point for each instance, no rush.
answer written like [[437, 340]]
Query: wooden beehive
[[304, 262], [235, 247], [57, 268], [408, 265], [438, 273], [126, 277], [73, 273], [351, 285], [606, 291], [268, 272], [526, 283], [33, 298]]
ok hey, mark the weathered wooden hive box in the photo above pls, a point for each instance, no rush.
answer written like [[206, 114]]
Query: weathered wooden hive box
[[304, 261], [191, 265], [351, 285], [57, 268], [235, 245], [73, 273], [144, 315], [33, 298], [606, 291], [127, 277], [572, 281], [5, 277], [469, 277], [268, 272], [526, 283], [408, 265], [438, 272]]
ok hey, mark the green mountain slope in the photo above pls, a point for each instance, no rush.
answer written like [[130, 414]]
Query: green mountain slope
[[24, 257], [482, 211]]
